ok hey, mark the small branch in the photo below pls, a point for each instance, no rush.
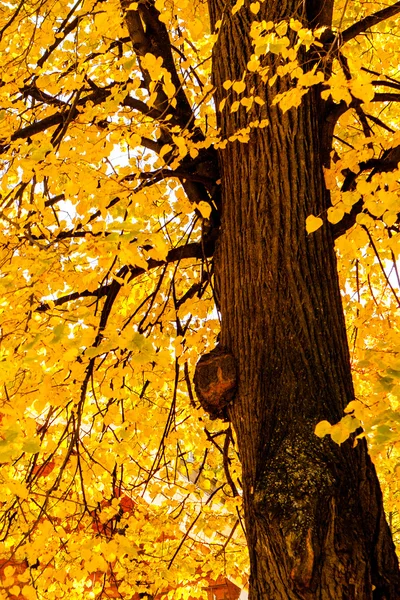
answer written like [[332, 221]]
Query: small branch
[[228, 539], [194, 289], [380, 123], [335, 111], [99, 293], [62, 32], [178, 173], [381, 264], [34, 92], [192, 250], [189, 384], [193, 523], [226, 461], [388, 162], [59, 118], [52, 201], [378, 74], [12, 19]]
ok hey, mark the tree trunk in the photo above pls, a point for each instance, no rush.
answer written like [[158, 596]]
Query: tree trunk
[[313, 510]]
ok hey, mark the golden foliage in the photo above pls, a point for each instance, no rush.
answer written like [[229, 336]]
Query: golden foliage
[[112, 479]]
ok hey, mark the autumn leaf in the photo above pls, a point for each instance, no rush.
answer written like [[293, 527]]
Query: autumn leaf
[[313, 223]]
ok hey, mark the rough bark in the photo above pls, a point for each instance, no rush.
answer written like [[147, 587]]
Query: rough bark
[[313, 509]]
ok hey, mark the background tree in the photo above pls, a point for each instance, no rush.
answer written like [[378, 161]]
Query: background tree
[[152, 163]]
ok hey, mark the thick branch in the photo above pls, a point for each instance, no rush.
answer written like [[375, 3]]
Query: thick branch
[[58, 118], [157, 32], [386, 97], [391, 84], [149, 35], [388, 162], [335, 111], [368, 22], [34, 92], [348, 221]]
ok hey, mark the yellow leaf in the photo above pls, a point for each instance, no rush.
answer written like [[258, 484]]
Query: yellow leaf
[[255, 7], [247, 102], [360, 89], [18, 489], [197, 27], [239, 86], [322, 428], [14, 590], [281, 28], [169, 89], [237, 6], [272, 80], [295, 25], [334, 215], [390, 218], [339, 434], [290, 99], [165, 149], [313, 223], [253, 64], [205, 209], [29, 592]]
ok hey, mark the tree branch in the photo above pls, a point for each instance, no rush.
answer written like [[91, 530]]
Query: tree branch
[[193, 250], [180, 174], [151, 144], [149, 35], [71, 112], [386, 97], [34, 92], [388, 162], [391, 84], [348, 221], [378, 122], [12, 19], [368, 22], [335, 111], [62, 33]]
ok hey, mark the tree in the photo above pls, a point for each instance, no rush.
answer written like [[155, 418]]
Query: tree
[[135, 191]]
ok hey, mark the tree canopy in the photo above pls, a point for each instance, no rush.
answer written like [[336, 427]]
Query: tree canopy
[[114, 481]]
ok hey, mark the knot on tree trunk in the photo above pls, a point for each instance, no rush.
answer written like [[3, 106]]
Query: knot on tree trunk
[[215, 381]]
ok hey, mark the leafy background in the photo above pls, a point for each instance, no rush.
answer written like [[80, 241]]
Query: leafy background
[[113, 480]]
